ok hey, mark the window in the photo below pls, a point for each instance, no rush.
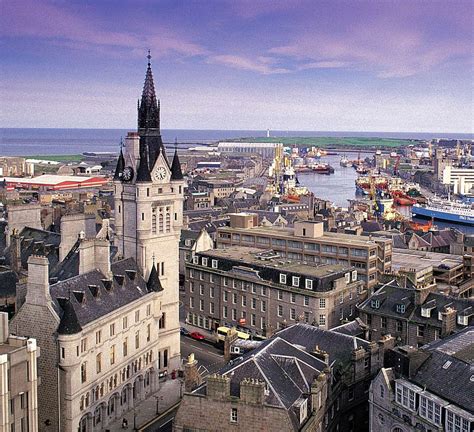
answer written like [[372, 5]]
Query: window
[[233, 415], [125, 347], [224, 312], [296, 281], [306, 316], [401, 308], [456, 423], [211, 292], [137, 316], [322, 303], [306, 300], [280, 310], [234, 298], [124, 323], [234, 314], [399, 326], [264, 291], [83, 345], [430, 410], [148, 310], [204, 261], [112, 354], [252, 320], [201, 289], [84, 372], [354, 275], [405, 396], [112, 329], [282, 278], [98, 363], [211, 308], [244, 300], [162, 321], [383, 322], [341, 298], [225, 295], [263, 306], [201, 304], [421, 331], [292, 314], [280, 295], [137, 340], [214, 264], [211, 278], [292, 298], [254, 303], [98, 337], [195, 260], [309, 284], [322, 320]]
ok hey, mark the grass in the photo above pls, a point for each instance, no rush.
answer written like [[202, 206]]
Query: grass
[[350, 142], [58, 158]]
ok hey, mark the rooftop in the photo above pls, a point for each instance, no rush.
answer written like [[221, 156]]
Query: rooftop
[[403, 258]]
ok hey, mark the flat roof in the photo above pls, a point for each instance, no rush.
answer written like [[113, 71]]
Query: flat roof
[[419, 260], [51, 179], [269, 258], [349, 239]]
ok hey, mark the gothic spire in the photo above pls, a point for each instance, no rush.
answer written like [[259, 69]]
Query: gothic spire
[[143, 172], [120, 164], [153, 283], [148, 108], [176, 173]]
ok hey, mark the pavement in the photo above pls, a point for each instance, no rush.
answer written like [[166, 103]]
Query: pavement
[[210, 358], [146, 412]]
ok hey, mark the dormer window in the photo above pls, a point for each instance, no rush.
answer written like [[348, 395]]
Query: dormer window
[[214, 264], [282, 278], [375, 304], [195, 260], [348, 278], [309, 284], [401, 308], [204, 262], [426, 312], [354, 275], [296, 281], [463, 320]]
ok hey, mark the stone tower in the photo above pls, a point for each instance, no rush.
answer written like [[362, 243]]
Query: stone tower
[[149, 208]]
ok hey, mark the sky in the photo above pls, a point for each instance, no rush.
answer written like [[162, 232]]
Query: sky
[[338, 65]]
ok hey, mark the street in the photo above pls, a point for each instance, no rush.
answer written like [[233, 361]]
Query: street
[[207, 355]]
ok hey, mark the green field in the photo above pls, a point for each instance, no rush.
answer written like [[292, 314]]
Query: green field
[[333, 142], [58, 158]]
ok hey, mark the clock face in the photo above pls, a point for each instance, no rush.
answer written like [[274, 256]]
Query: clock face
[[160, 174], [127, 174]]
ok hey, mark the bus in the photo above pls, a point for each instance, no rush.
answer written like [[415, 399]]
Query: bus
[[222, 333]]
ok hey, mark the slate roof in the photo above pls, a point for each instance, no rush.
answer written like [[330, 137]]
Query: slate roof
[[90, 296], [176, 173], [390, 295], [38, 242], [287, 371], [8, 280], [339, 346], [469, 240], [188, 235], [449, 369], [352, 328], [209, 226], [69, 266]]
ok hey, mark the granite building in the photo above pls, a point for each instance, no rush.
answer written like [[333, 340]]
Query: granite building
[[308, 242], [18, 381], [304, 378], [427, 389], [262, 292], [414, 315]]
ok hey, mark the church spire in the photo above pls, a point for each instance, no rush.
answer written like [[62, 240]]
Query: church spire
[[120, 163], [176, 173], [148, 108]]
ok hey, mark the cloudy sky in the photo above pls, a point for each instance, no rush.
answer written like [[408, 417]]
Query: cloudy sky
[[379, 65]]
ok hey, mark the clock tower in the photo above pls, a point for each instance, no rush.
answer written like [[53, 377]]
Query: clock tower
[[149, 193]]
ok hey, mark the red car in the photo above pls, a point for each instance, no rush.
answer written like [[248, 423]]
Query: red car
[[196, 335]]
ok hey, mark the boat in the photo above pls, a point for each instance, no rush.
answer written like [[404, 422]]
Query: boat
[[322, 168], [361, 169], [344, 162], [445, 210]]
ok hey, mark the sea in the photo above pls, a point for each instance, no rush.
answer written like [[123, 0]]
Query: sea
[[338, 187], [36, 142]]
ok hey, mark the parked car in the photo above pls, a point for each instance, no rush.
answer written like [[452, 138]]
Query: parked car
[[197, 336], [184, 331]]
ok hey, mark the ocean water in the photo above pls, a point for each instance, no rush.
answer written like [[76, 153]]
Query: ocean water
[[28, 142]]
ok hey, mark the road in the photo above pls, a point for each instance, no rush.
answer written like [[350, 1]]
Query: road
[[163, 424], [206, 354]]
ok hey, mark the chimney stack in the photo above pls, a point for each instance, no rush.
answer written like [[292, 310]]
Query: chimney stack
[[95, 254], [4, 331], [37, 291]]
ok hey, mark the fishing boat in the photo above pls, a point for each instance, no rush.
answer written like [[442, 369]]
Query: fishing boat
[[445, 210], [344, 162], [322, 168]]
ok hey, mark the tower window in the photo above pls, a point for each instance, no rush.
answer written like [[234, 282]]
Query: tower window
[[147, 192], [153, 220], [180, 189], [168, 221], [119, 209], [161, 221], [143, 216]]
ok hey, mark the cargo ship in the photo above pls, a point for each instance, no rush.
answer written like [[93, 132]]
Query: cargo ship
[[445, 210]]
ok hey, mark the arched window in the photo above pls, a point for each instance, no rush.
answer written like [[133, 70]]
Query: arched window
[[168, 220], [161, 223], [97, 416], [153, 220]]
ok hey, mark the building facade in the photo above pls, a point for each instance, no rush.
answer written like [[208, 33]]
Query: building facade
[[429, 389], [18, 381], [260, 292], [372, 257], [149, 195]]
